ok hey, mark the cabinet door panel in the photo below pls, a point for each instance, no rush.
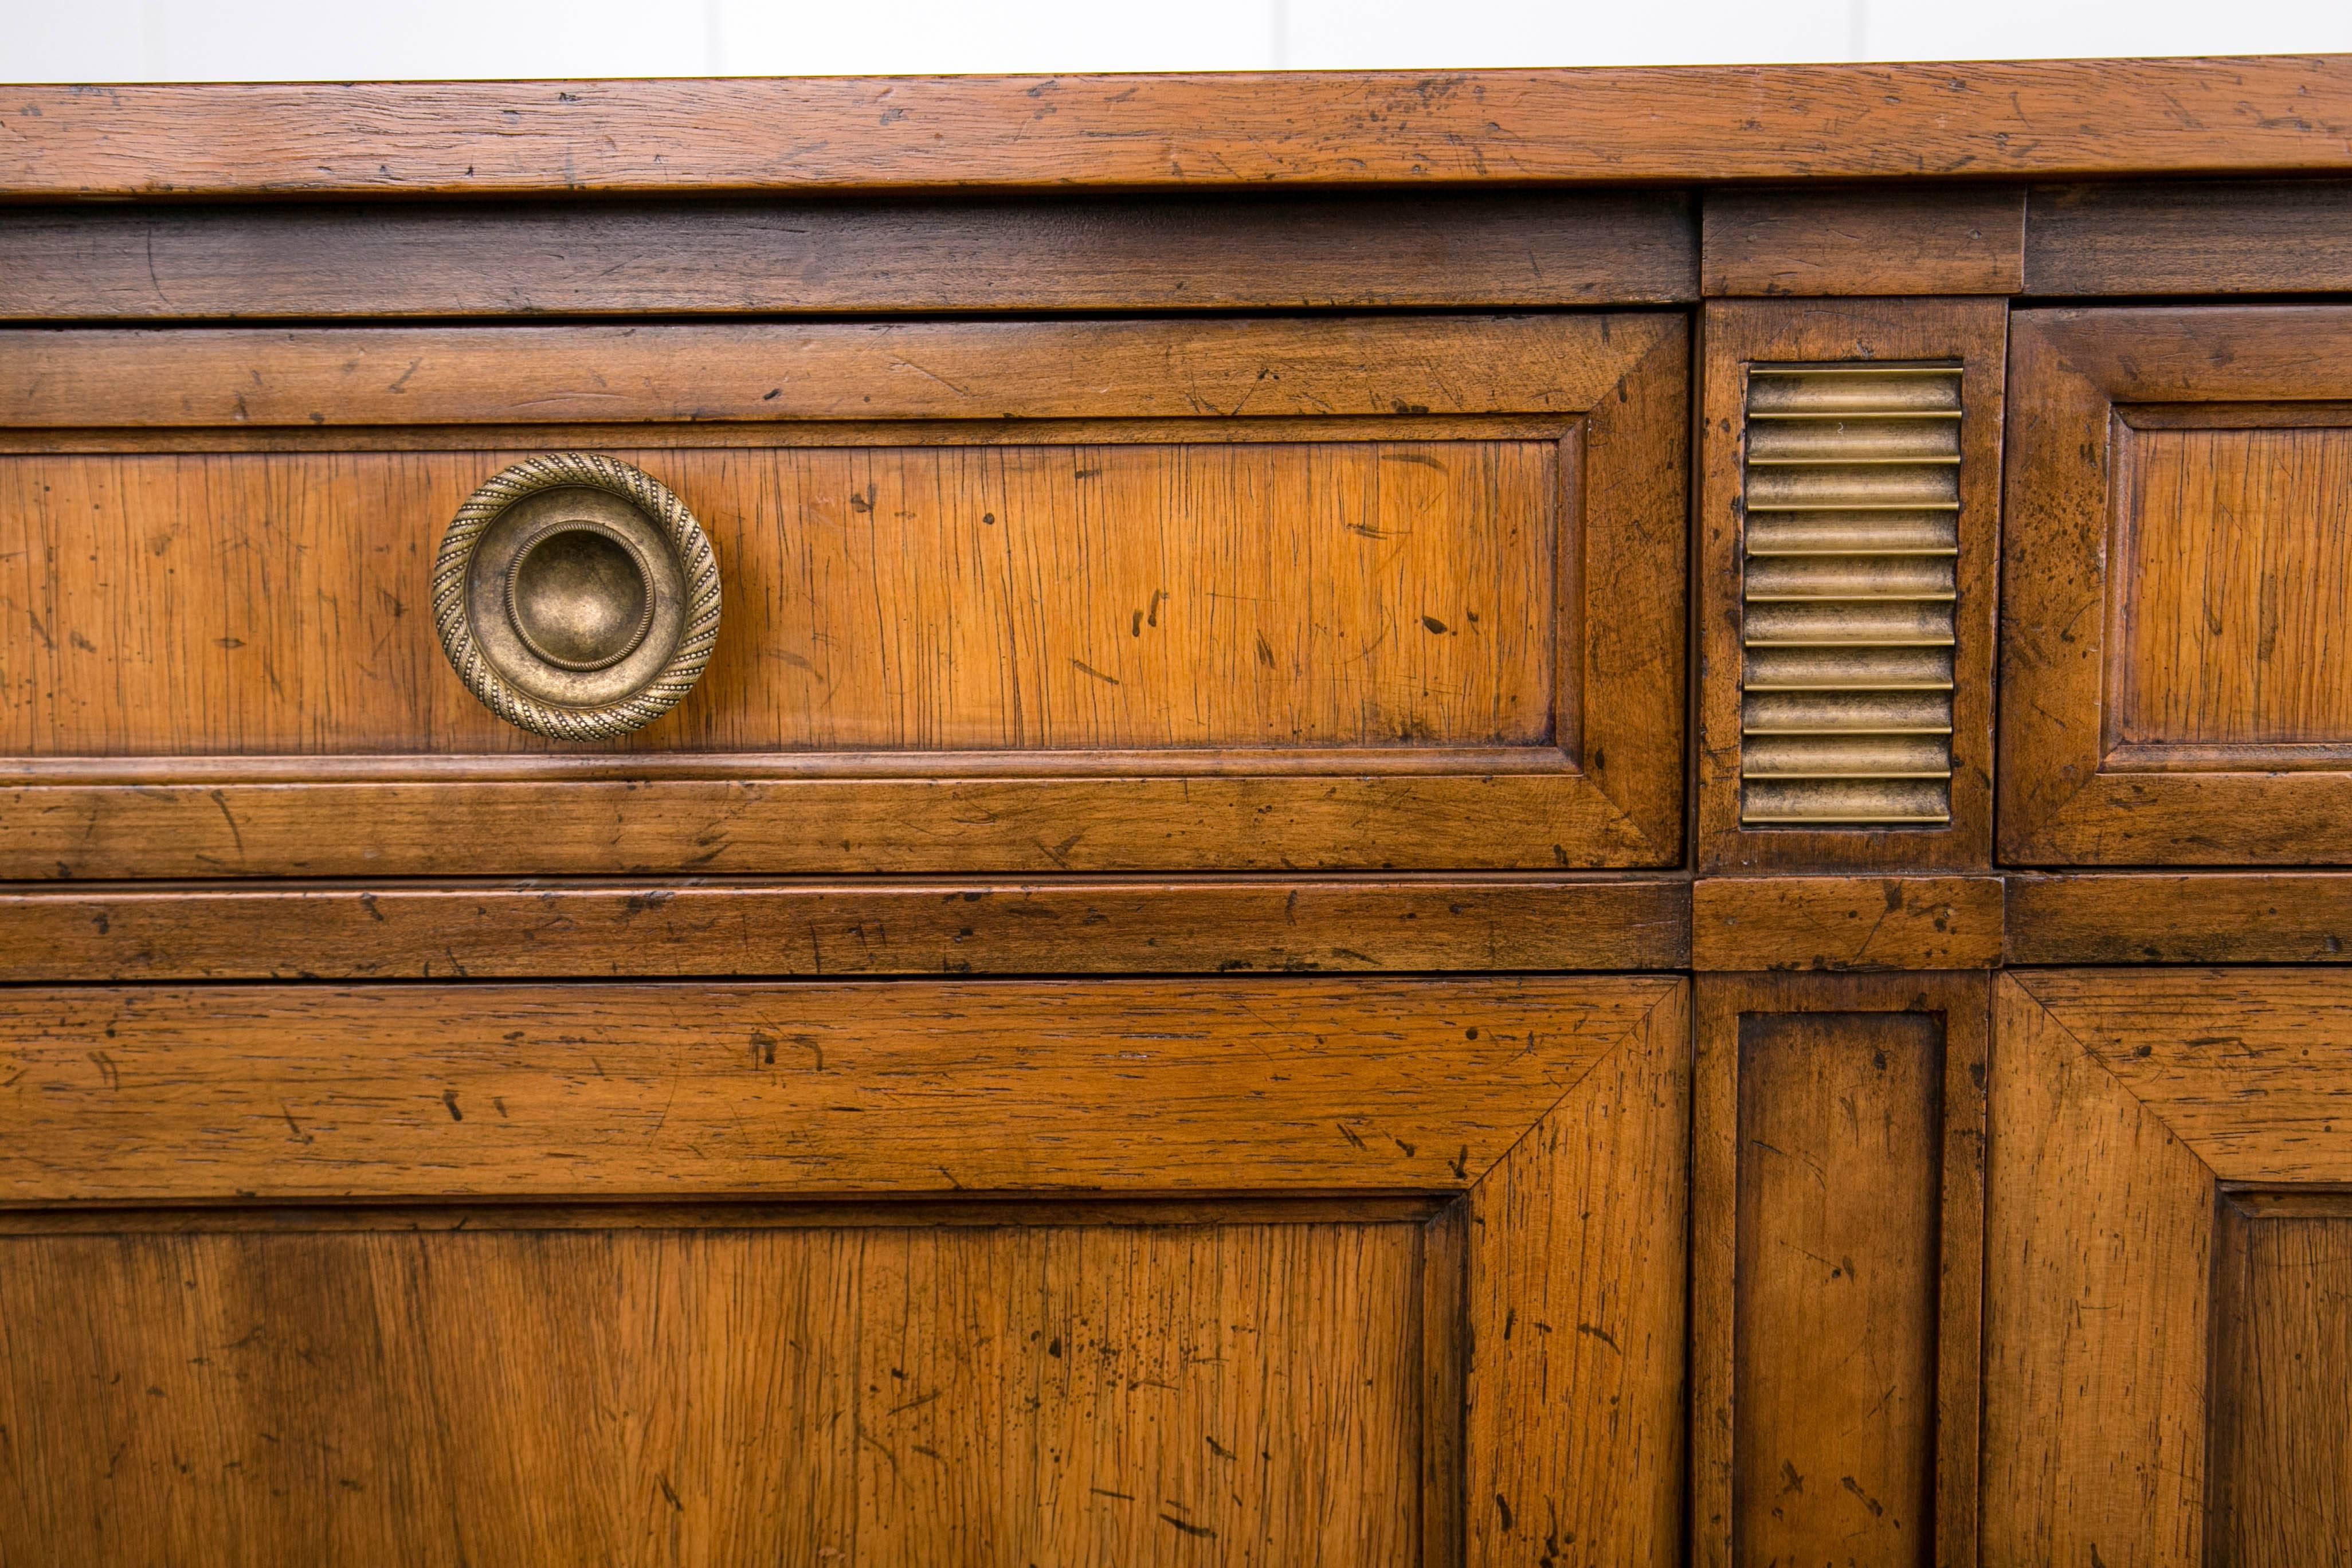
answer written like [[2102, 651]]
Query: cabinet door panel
[[2175, 684], [1287, 1270], [2167, 1309]]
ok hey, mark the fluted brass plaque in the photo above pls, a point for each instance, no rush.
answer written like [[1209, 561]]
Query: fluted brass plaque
[[1849, 557]]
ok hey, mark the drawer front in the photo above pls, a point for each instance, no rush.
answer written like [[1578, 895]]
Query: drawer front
[[1001, 598], [1068, 1271], [2175, 689]]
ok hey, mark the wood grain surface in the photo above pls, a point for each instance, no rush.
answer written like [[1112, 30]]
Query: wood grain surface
[[1834, 1389], [153, 1093], [1837, 1217], [2199, 917], [1764, 241], [1216, 1394], [1346, 820], [1077, 597], [2247, 1069], [2189, 236], [703, 372], [2233, 561], [2240, 572], [1576, 1319], [312, 261], [1845, 922], [2050, 119], [681, 928], [2165, 1280], [2281, 1452], [2098, 1242]]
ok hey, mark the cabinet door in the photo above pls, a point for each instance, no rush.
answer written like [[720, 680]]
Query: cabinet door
[[991, 597], [2177, 563], [1282, 1271], [2168, 1287]]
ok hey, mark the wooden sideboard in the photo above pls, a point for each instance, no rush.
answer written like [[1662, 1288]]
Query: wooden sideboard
[[1522, 818]]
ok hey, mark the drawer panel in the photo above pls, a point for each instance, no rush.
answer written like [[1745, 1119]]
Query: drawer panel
[[979, 582], [2175, 685], [1051, 596]]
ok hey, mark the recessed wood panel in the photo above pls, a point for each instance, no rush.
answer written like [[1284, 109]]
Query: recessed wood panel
[[893, 1394], [2281, 1447], [2234, 569], [1837, 1221], [1079, 598], [1840, 1119]]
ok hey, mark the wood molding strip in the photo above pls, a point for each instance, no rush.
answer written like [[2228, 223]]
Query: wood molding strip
[[670, 929], [2183, 236], [719, 926], [2198, 917], [242, 377], [1182, 253]]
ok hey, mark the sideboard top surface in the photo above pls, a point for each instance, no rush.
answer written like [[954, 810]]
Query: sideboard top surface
[[2052, 119]]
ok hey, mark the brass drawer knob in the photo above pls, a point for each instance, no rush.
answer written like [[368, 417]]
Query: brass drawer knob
[[576, 596]]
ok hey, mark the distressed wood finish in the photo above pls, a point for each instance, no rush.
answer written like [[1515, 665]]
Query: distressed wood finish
[[2282, 1453], [1050, 1378], [1966, 333], [138, 1094], [1845, 922], [866, 1395], [1576, 1316], [2171, 671], [1834, 1346], [2136, 1366], [2206, 917], [230, 377], [1790, 240], [973, 828], [1432, 250], [1137, 638], [1075, 597], [1143, 1009], [2155, 237], [2050, 119], [683, 928], [2234, 654]]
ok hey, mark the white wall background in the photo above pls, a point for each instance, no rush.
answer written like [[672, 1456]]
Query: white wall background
[[293, 41]]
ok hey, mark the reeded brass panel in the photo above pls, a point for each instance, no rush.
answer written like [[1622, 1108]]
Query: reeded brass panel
[[1848, 557]]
